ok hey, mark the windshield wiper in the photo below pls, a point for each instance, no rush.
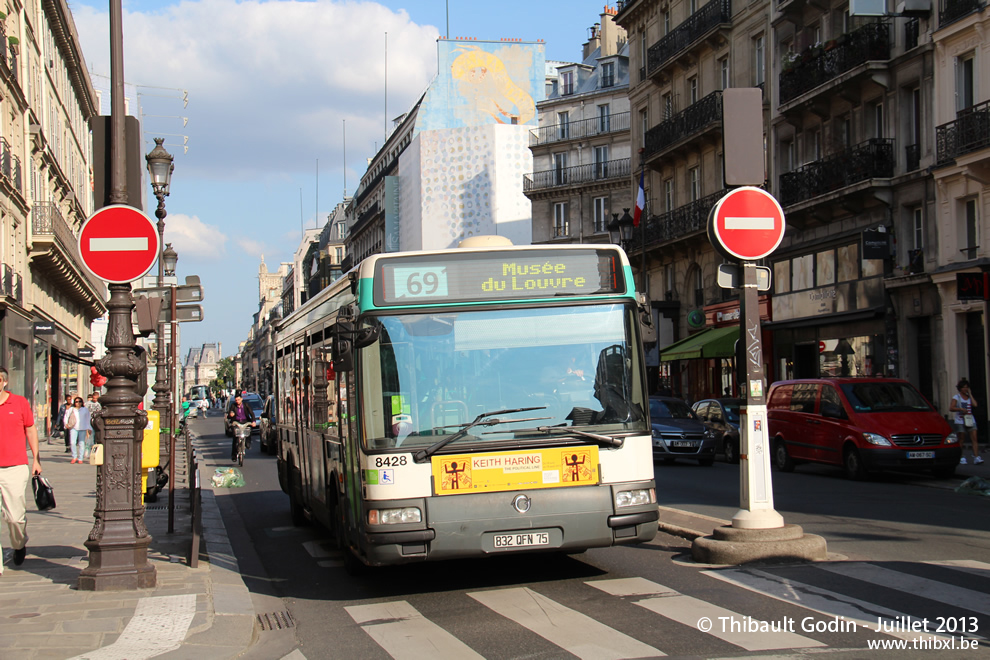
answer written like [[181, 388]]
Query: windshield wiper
[[606, 440], [484, 419]]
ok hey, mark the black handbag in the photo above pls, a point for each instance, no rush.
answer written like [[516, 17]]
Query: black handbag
[[44, 494]]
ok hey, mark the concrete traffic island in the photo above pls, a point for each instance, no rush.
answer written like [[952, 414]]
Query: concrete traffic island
[[730, 545]]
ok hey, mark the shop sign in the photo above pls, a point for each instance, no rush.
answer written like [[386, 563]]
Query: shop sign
[[44, 328], [876, 244], [834, 299]]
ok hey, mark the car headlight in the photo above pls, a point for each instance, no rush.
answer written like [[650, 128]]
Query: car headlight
[[636, 497], [709, 433], [409, 514], [875, 439], [951, 439]]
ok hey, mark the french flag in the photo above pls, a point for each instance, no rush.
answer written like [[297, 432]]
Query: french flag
[[640, 201]]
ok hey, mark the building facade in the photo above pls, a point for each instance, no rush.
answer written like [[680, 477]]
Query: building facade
[[47, 298], [581, 149]]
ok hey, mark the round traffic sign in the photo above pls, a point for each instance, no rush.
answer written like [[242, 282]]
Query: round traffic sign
[[119, 243], [747, 223]]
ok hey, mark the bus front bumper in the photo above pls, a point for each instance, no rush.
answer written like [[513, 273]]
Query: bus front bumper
[[558, 520]]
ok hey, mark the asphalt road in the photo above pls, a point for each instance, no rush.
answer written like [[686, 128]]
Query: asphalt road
[[918, 551]]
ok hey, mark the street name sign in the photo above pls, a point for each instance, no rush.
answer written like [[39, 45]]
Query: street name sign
[[730, 278], [747, 223], [119, 244]]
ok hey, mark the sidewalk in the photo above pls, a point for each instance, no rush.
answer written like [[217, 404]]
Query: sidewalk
[[207, 610]]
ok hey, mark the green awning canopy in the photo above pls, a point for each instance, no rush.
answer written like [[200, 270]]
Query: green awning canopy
[[710, 343]]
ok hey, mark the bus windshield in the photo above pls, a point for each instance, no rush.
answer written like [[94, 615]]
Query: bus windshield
[[435, 372]]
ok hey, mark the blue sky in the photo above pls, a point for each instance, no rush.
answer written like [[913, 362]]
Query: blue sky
[[286, 102]]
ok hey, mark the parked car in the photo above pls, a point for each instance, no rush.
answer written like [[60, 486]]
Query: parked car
[[678, 433], [267, 427], [721, 416], [257, 406], [862, 424]]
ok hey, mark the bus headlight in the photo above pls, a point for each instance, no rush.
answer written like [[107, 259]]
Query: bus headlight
[[875, 439], [636, 497], [409, 514]]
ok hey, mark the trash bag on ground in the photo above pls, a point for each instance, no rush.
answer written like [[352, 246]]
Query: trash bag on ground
[[228, 478], [974, 486]]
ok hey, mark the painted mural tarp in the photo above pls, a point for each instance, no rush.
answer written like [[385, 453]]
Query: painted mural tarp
[[483, 83]]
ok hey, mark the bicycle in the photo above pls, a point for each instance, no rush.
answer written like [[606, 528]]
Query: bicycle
[[242, 431]]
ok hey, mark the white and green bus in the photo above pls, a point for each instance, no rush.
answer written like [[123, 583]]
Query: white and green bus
[[468, 402]]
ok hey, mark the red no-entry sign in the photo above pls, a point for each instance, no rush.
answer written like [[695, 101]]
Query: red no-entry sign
[[119, 243], [747, 224]]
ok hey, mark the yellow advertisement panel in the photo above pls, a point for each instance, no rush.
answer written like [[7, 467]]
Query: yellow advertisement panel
[[514, 470]]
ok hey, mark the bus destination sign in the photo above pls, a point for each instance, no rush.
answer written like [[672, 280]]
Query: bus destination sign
[[476, 276]]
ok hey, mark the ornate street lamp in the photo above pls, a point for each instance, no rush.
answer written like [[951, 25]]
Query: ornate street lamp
[[614, 236], [620, 230], [160, 169]]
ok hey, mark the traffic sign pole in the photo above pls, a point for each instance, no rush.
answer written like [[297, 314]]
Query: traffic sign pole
[[755, 485]]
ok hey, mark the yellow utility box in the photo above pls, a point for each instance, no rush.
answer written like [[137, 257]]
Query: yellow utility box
[[150, 447]]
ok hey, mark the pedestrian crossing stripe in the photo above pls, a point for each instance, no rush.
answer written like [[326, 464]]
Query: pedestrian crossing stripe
[[405, 634], [829, 603], [690, 611], [570, 630]]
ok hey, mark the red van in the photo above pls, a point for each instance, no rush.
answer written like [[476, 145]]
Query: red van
[[862, 424]]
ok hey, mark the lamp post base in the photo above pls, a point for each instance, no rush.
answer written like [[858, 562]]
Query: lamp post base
[[117, 566]]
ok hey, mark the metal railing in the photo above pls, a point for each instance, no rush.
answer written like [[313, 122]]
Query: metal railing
[[583, 128], [969, 131], [685, 123], [873, 158], [818, 65], [680, 38], [12, 284], [950, 10], [47, 220], [684, 220], [569, 176], [912, 155], [10, 164]]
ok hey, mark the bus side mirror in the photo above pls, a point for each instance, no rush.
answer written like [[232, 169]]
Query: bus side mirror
[[647, 329], [343, 357]]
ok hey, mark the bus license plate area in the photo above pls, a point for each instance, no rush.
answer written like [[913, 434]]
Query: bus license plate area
[[520, 540], [921, 454]]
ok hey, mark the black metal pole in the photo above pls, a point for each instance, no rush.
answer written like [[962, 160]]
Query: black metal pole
[[171, 444], [118, 542]]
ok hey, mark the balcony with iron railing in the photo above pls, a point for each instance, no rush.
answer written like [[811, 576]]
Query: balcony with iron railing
[[952, 10], [691, 218], [867, 160], [968, 132], [576, 130], [576, 176], [10, 165], [821, 64], [12, 284], [694, 30], [696, 119], [912, 157], [55, 252]]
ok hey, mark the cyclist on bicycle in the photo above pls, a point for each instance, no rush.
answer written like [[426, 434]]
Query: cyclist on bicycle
[[240, 414]]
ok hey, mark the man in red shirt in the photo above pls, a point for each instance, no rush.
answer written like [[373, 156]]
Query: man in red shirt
[[16, 428]]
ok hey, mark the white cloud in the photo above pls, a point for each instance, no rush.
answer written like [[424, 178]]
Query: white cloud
[[251, 247], [192, 238], [270, 83]]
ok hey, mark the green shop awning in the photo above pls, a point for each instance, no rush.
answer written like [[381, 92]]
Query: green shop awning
[[710, 343]]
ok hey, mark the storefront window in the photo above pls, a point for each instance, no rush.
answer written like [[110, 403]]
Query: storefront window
[[17, 367], [848, 260], [825, 268], [872, 267], [804, 272], [41, 389], [68, 381], [782, 277], [848, 356]]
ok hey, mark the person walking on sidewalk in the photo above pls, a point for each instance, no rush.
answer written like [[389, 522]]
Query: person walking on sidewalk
[[962, 406], [79, 421], [16, 428], [63, 412]]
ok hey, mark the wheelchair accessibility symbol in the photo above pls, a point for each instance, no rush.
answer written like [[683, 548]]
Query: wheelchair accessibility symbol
[[386, 477]]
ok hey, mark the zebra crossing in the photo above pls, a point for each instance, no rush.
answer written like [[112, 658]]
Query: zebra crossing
[[779, 611]]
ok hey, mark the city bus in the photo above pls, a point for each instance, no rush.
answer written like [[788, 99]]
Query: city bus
[[469, 402]]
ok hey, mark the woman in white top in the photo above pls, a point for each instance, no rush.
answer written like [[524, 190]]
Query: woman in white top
[[962, 406], [81, 430]]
